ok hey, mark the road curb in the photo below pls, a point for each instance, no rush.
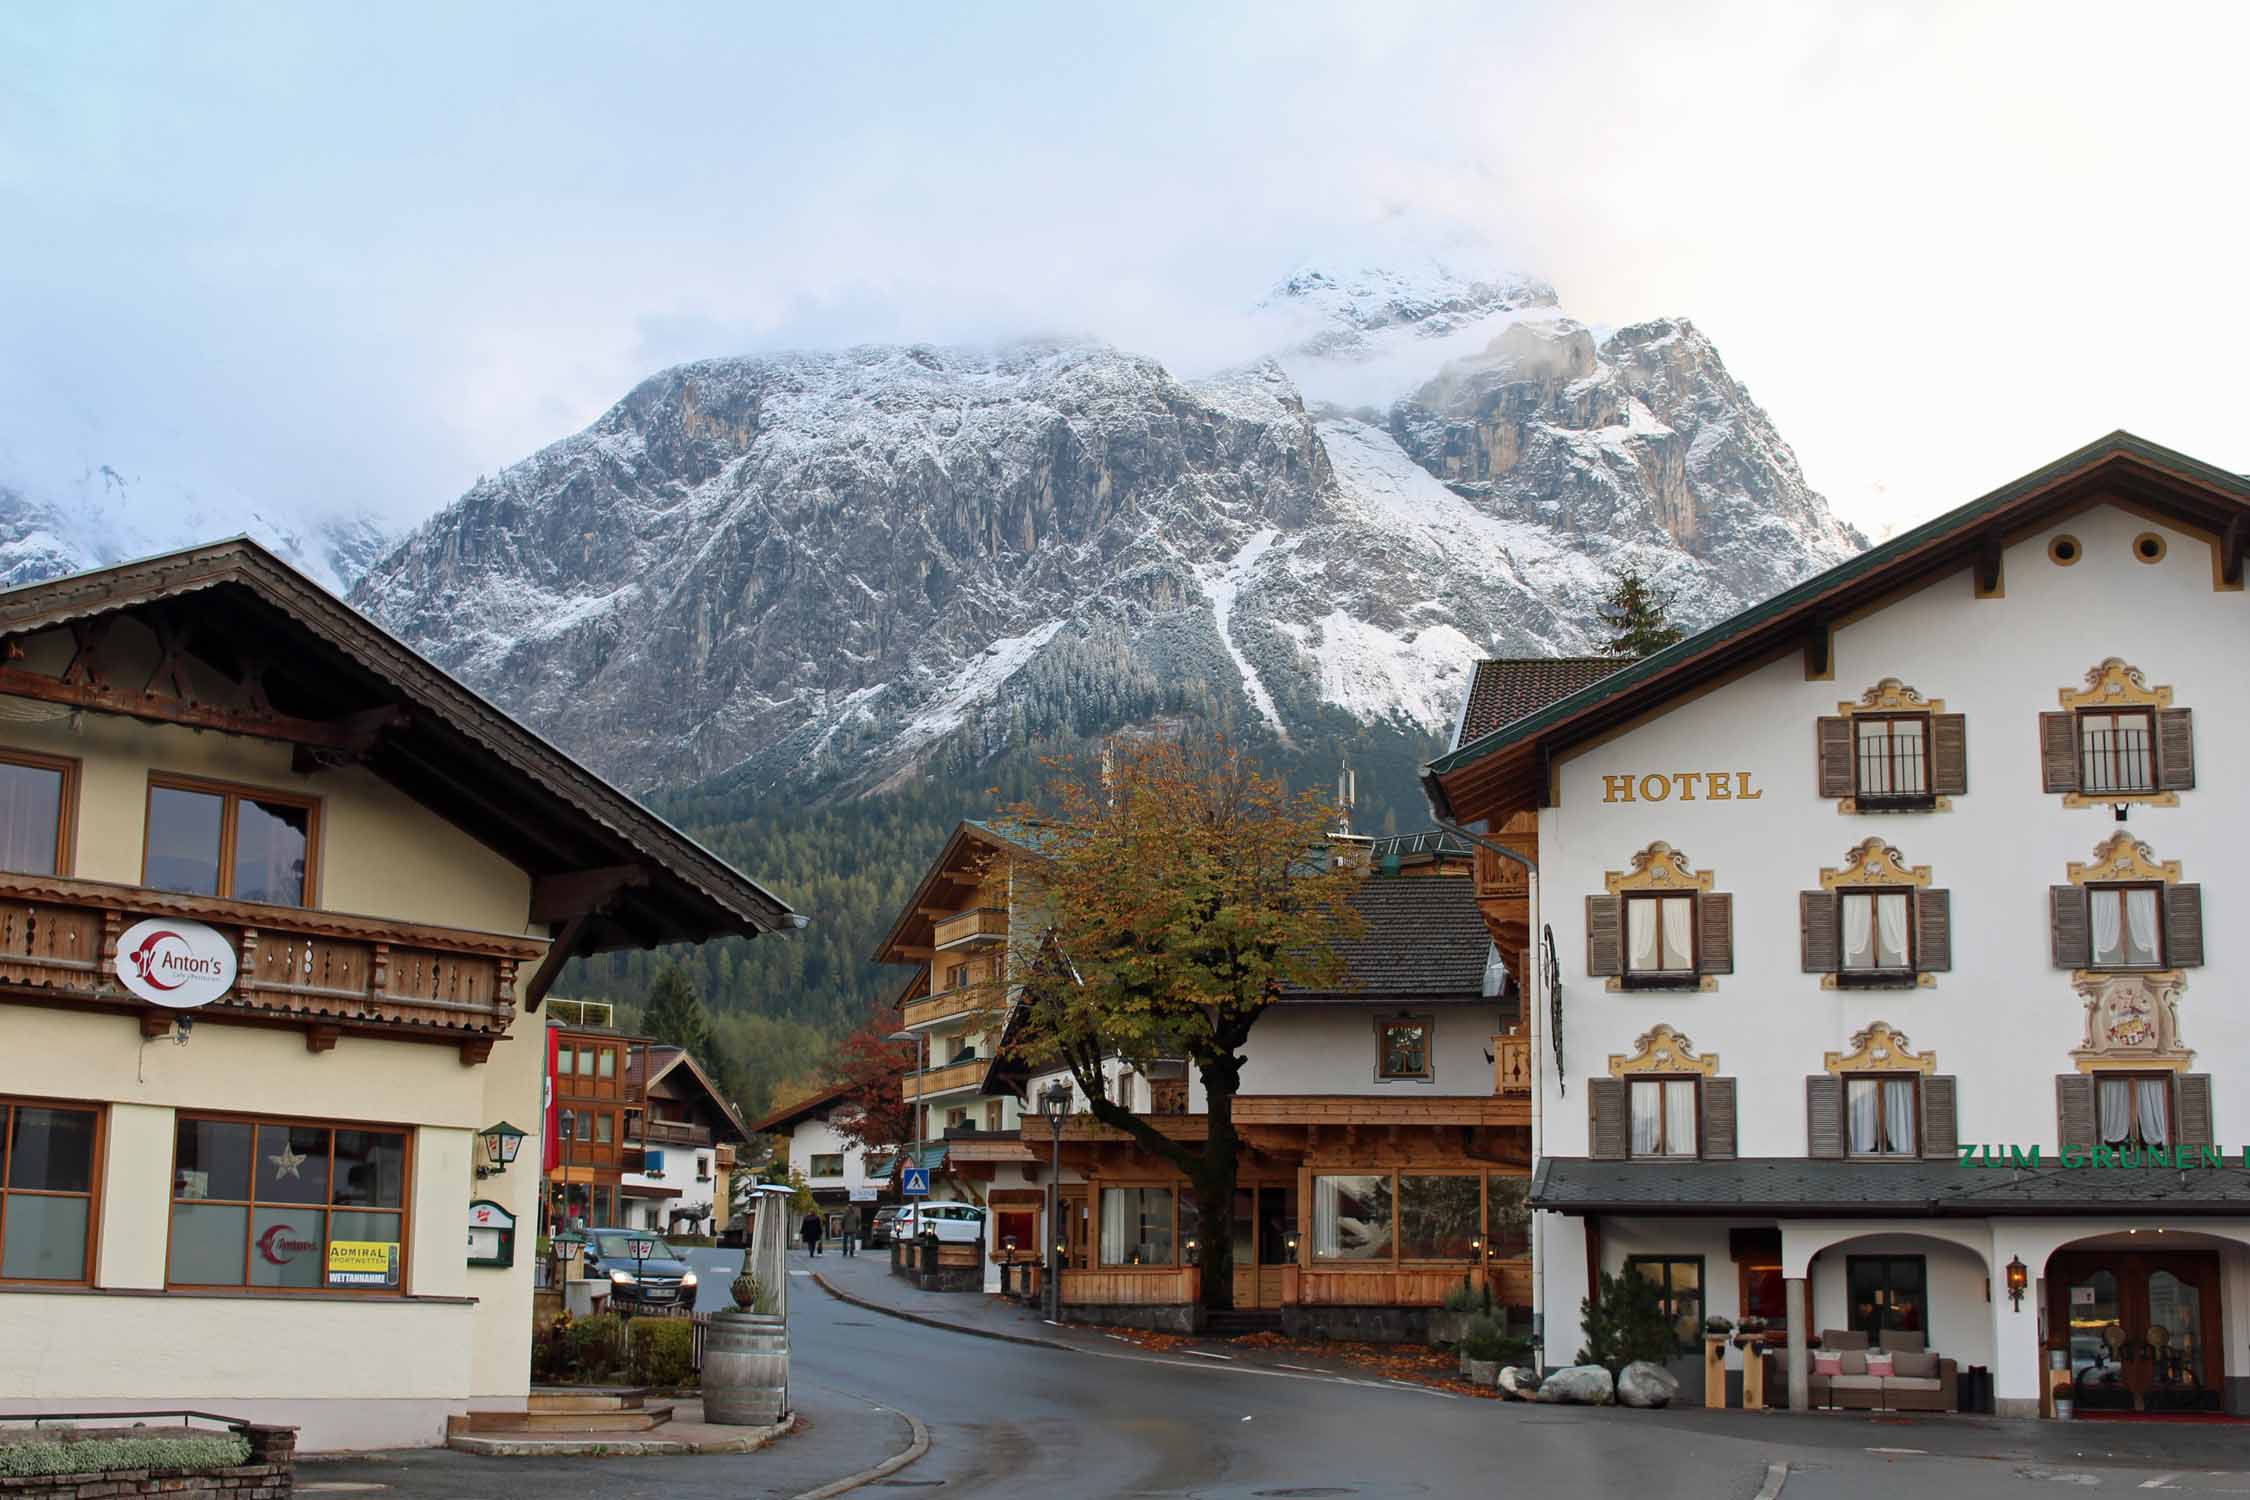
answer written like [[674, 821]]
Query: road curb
[[1777, 1475], [928, 1322], [889, 1466]]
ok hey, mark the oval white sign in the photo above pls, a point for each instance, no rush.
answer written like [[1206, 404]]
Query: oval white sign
[[174, 963]]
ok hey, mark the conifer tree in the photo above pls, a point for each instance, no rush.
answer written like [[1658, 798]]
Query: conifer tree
[[1638, 615]]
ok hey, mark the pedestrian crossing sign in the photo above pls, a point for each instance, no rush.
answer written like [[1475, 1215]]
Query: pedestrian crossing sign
[[914, 1182]]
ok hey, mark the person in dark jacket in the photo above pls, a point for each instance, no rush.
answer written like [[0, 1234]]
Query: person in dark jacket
[[851, 1229], [810, 1230]]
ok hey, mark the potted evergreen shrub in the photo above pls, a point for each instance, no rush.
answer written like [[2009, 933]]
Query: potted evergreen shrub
[[1484, 1346], [1450, 1323]]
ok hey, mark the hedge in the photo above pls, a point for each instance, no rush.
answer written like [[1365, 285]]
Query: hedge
[[94, 1455], [663, 1351]]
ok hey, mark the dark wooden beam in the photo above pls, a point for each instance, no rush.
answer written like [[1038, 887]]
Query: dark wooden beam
[[1818, 638], [155, 1023], [476, 1050], [1988, 564], [2230, 550], [559, 952], [362, 732], [158, 708], [558, 898], [320, 1038]]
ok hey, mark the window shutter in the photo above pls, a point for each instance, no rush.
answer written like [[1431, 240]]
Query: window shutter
[[1933, 931], [2175, 749], [2058, 751], [1816, 930], [1835, 740], [1605, 946], [1941, 1123], [2070, 936], [2074, 1110], [1949, 755], [1714, 915], [2183, 926], [1607, 1119], [1824, 1117], [2194, 1098], [1718, 1119]]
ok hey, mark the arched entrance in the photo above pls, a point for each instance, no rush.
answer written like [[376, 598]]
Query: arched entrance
[[2140, 1318]]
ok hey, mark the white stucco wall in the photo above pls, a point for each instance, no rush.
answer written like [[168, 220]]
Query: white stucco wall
[[1330, 1049]]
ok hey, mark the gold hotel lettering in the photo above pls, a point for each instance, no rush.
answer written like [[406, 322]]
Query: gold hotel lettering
[[1718, 786]]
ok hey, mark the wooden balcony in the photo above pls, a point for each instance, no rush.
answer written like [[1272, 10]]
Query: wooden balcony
[[1511, 1065], [1364, 1111], [976, 927], [674, 1133], [327, 971], [960, 1075], [958, 1001]]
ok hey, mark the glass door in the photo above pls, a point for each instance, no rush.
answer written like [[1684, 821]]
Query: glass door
[[2143, 1330]]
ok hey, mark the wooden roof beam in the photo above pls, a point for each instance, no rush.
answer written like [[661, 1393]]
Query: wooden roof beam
[[557, 898]]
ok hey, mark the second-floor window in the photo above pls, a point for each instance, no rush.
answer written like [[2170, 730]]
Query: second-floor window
[[1875, 932], [2126, 926], [2116, 751], [1403, 1049], [828, 1164], [2133, 1109], [206, 839], [1664, 1116], [1660, 938], [1891, 758], [36, 802], [1879, 1116]]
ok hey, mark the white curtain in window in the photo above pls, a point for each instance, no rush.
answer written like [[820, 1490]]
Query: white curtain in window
[[2149, 1095], [1890, 911], [1679, 1118], [2109, 918], [1647, 1101], [1677, 944], [1859, 931], [2117, 1110], [1328, 1239], [2140, 921], [1898, 1118], [1640, 934], [1863, 1102]]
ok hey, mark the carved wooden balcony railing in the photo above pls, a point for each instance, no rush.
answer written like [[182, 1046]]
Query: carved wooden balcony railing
[[1511, 1065], [960, 1075], [982, 924], [333, 972], [959, 1000], [674, 1133]]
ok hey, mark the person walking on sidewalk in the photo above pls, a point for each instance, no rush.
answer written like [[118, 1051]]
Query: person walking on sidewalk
[[851, 1229], [810, 1230]]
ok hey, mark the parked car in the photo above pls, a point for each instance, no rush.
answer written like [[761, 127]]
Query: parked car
[[879, 1228], [954, 1223], [658, 1280]]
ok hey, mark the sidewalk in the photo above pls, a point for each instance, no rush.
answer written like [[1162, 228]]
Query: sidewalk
[[866, 1278]]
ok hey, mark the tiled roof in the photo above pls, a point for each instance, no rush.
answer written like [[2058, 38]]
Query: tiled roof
[[1504, 690], [1424, 938], [1787, 1186]]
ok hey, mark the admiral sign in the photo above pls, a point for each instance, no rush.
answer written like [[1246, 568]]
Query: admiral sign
[[174, 963]]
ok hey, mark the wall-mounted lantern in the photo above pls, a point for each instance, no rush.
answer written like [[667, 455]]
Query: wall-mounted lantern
[[501, 1143], [2019, 1280]]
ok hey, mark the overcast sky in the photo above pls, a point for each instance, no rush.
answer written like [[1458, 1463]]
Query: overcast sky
[[355, 256]]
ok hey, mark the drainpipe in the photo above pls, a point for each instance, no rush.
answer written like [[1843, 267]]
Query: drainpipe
[[1538, 1061]]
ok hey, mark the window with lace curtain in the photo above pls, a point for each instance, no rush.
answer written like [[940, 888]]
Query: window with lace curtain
[[2127, 926], [1879, 1114], [1876, 933], [1660, 938], [2133, 1109], [1665, 1112]]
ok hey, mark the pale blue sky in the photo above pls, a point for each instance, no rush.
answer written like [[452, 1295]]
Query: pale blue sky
[[323, 255]]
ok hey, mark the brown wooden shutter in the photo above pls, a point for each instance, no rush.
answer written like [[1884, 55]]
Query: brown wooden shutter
[[1718, 1119], [2058, 751], [2183, 926], [2194, 1099], [1933, 931], [1714, 915], [1949, 755], [1941, 1124], [1824, 1117], [2074, 1111], [1605, 945], [1835, 741], [1608, 1119], [2070, 934], [2175, 749], [1818, 940]]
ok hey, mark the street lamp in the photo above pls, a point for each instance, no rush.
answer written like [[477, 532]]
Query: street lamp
[[921, 1105], [569, 1122], [501, 1143], [1054, 1103]]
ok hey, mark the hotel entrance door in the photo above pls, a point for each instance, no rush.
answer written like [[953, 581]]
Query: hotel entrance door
[[2143, 1330]]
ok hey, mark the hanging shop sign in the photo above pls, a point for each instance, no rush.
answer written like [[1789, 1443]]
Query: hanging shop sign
[[175, 964]]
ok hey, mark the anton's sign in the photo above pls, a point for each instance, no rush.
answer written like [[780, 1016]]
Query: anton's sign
[[2180, 1158], [1681, 786], [176, 964]]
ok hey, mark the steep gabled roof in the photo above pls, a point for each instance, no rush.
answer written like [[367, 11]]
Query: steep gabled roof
[[665, 1060], [975, 838], [635, 880], [1424, 940], [790, 1116], [1504, 689], [1505, 770]]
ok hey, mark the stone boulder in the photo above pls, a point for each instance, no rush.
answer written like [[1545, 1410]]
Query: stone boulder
[[1580, 1385], [1518, 1382], [1647, 1385]]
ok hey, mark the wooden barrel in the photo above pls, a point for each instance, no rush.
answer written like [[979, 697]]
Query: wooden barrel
[[746, 1370]]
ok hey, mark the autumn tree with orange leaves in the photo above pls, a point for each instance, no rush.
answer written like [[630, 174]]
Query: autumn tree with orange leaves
[[869, 1067], [1180, 891]]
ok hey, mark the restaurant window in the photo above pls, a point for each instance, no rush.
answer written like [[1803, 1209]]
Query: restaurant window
[[1887, 1293], [1507, 1217], [2134, 1109], [1664, 1116], [1879, 1114], [1765, 1295], [287, 1206], [1437, 1216], [828, 1164], [1137, 1227], [2127, 926], [47, 1155], [1875, 933], [1352, 1217], [38, 797], [604, 1129], [1679, 1292], [585, 1126], [605, 1063], [1403, 1048], [585, 1062], [2117, 751], [236, 842], [1891, 761], [1659, 938]]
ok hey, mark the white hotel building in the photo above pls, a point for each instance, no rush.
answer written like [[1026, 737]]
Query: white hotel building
[[1929, 857]]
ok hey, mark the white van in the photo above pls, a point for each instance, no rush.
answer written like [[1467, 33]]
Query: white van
[[953, 1223]]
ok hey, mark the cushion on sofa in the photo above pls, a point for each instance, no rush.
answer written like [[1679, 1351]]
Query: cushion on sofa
[[1856, 1383], [1879, 1362], [1913, 1383], [1912, 1366], [1905, 1339], [1855, 1361], [1828, 1362], [1842, 1338]]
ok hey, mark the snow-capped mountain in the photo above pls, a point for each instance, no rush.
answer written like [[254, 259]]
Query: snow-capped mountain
[[827, 565], [102, 517]]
